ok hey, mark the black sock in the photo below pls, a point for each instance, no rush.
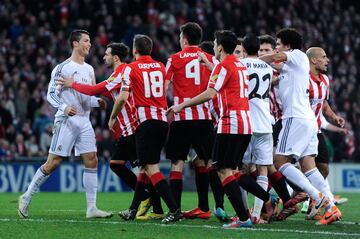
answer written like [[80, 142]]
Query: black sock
[[139, 191], [293, 186], [216, 188], [176, 185], [202, 187], [232, 191], [249, 184], [155, 200], [164, 191], [279, 185], [124, 174]]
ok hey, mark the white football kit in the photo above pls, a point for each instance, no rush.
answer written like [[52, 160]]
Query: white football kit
[[298, 136], [70, 131], [259, 150]]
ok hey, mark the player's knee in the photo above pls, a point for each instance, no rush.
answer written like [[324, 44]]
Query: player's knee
[[177, 166], [116, 164]]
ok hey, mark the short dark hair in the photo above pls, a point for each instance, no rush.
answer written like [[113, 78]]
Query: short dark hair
[[143, 44], [267, 39], [227, 39], [289, 36], [251, 44], [207, 46], [239, 41], [75, 35], [119, 49], [192, 32]]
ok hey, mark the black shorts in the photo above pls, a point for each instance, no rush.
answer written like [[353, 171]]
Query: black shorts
[[186, 133], [229, 149], [125, 149], [323, 154], [276, 131], [150, 137]]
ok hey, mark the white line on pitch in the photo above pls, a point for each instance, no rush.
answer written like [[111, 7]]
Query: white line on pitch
[[178, 225]]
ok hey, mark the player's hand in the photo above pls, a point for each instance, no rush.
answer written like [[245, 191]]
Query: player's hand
[[111, 124], [340, 121], [70, 111], [201, 56], [174, 109], [343, 131], [65, 81], [102, 104]]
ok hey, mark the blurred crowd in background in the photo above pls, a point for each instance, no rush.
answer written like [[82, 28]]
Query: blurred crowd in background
[[33, 39]]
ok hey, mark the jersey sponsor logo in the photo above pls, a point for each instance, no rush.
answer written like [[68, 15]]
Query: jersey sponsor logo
[[149, 65]]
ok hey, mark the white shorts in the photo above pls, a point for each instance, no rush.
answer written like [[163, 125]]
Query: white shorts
[[260, 149], [298, 138], [72, 131]]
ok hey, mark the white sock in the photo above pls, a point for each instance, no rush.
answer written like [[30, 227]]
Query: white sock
[[90, 181], [258, 203], [331, 195], [295, 176], [319, 183], [39, 178], [244, 198]]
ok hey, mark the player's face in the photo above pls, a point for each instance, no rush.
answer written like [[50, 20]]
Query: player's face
[[216, 50], [84, 45], [182, 41], [322, 61], [239, 52], [280, 47], [108, 57], [265, 48]]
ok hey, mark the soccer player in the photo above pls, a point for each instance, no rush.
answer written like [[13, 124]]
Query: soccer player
[[298, 123], [319, 94], [72, 127], [239, 51], [144, 80], [125, 124], [193, 126], [229, 81], [276, 179]]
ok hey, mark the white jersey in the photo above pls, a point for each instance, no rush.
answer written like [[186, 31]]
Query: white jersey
[[60, 97], [294, 86], [260, 75]]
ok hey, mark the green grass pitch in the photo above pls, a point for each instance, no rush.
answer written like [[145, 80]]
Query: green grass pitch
[[62, 215]]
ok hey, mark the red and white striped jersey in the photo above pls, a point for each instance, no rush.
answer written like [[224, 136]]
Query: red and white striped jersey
[[318, 92], [126, 121], [189, 78], [275, 104], [230, 79], [144, 79]]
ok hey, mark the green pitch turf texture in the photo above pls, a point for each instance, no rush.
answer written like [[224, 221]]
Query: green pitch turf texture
[[62, 215]]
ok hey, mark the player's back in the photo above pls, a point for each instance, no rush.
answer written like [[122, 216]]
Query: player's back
[[146, 79], [230, 79], [189, 78], [260, 75], [82, 73]]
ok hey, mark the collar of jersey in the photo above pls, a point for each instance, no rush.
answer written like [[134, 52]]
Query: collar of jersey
[[144, 58], [191, 48], [321, 78]]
